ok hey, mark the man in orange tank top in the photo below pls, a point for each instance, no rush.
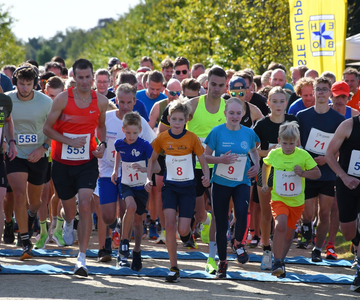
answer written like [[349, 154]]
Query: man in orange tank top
[[71, 123]]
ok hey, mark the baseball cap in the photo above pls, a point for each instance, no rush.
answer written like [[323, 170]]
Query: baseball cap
[[340, 88], [236, 79], [124, 65], [113, 61], [143, 70]]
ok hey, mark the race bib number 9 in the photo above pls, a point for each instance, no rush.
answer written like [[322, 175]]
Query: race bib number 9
[[179, 168], [70, 153], [233, 172], [318, 141], [27, 139], [288, 184], [131, 176], [354, 164]]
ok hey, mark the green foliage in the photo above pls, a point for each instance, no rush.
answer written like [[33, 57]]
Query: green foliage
[[44, 55], [12, 52]]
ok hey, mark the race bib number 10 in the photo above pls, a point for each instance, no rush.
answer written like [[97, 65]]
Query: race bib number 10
[[288, 184], [354, 164], [70, 153]]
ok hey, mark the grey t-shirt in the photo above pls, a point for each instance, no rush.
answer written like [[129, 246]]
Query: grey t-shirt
[[29, 119]]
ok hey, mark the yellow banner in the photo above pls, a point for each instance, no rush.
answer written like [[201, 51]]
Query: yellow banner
[[318, 31]]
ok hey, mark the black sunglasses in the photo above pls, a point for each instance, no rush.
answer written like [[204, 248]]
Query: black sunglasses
[[183, 71]]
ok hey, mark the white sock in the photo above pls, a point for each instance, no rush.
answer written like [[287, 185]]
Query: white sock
[[81, 256], [207, 221], [69, 224], [212, 249]]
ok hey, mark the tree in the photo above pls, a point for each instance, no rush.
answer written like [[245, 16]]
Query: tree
[[12, 51]]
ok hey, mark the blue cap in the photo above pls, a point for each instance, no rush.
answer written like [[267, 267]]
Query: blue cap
[[236, 79]]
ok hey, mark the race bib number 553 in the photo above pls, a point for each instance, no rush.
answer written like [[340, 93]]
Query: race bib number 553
[[70, 153]]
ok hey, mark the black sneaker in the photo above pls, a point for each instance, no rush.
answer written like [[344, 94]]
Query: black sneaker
[[255, 241], [355, 286], [191, 244], [277, 269], [9, 236], [303, 244], [27, 253], [174, 275], [241, 253], [316, 256], [283, 275], [136, 261], [221, 271], [104, 255], [123, 254]]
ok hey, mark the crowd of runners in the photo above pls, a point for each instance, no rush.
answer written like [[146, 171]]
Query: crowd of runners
[[180, 153]]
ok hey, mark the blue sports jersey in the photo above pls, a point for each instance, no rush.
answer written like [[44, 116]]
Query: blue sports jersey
[[141, 150], [222, 140], [149, 103]]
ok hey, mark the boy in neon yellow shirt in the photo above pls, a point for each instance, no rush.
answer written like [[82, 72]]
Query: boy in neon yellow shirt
[[291, 166]]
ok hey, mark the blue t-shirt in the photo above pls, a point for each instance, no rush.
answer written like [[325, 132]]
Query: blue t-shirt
[[221, 140], [327, 123], [149, 103], [139, 107], [141, 150], [6, 84], [289, 87], [297, 106]]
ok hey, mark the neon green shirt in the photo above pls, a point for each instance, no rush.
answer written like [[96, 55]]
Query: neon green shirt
[[287, 186]]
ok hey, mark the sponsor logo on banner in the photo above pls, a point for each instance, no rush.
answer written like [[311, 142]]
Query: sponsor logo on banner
[[322, 35]]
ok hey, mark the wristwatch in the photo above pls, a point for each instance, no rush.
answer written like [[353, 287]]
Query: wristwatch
[[103, 143], [46, 146]]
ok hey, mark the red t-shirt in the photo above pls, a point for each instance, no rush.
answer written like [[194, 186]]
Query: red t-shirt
[[73, 122]]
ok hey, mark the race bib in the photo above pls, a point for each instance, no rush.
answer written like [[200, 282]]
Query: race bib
[[354, 164], [318, 141], [233, 172], [179, 168], [70, 153], [27, 139], [110, 150], [131, 176], [288, 184]]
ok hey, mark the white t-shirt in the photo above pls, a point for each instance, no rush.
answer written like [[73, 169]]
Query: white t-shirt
[[113, 133]]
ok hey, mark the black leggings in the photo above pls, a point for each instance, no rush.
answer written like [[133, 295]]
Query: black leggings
[[221, 198]]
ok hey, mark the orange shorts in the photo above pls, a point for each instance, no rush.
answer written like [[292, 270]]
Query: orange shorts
[[293, 213]]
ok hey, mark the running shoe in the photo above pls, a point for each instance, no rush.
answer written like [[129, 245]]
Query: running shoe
[[241, 253], [136, 264], [80, 268], [9, 236], [330, 253], [266, 261], [104, 255], [355, 263], [255, 241], [277, 269], [302, 244], [173, 275], [205, 230], [153, 235], [68, 234], [355, 286], [316, 256], [123, 254], [211, 266], [57, 237], [283, 275], [221, 271], [41, 243], [27, 253], [162, 238], [191, 244]]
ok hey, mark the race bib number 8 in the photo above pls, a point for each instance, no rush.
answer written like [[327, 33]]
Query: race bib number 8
[[27, 139], [288, 184], [131, 176], [354, 164], [179, 168], [70, 153], [318, 141], [233, 172]]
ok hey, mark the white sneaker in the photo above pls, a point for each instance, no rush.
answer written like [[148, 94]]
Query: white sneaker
[[266, 262], [162, 238], [80, 266], [68, 233]]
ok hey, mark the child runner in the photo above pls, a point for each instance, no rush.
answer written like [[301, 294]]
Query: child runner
[[134, 153], [267, 130], [291, 166], [179, 190], [231, 177]]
